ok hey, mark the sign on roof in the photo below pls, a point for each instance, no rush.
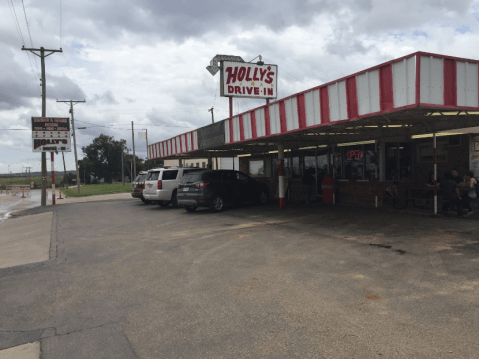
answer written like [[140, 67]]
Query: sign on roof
[[211, 136], [244, 79], [51, 134]]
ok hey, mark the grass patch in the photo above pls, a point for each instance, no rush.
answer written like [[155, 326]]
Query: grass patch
[[93, 189]]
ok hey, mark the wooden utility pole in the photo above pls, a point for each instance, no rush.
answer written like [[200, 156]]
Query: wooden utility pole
[[44, 114], [212, 116], [134, 159], [75, 141]]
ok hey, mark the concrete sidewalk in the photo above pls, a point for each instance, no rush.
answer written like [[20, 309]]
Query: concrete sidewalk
[[25, 238]]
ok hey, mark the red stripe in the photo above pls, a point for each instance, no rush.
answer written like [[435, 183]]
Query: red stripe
[[352, 98], [267, 123], [231, 130], [450, 83], [181, 143], [386, 99], [418, 79], [155, 151], [191, 140], [241, 127], [301, 110], [324, 104], [282, 117], [254, 134]]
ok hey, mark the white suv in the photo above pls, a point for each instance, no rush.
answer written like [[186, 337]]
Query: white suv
[[161, 183]]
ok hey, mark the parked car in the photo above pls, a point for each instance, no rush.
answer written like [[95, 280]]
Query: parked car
[[218, 188], [161, 184], [137, 186]]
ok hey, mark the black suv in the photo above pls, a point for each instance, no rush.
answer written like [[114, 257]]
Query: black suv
[[217, 188]]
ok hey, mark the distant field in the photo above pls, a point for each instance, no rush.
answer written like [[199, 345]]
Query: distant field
[[7, 181], [92, 189]]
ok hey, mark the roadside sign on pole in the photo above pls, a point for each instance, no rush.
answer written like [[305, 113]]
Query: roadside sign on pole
[[51, 134]]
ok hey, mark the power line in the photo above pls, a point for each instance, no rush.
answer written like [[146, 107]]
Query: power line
[[14, 14], [28, 27], [282, 69]]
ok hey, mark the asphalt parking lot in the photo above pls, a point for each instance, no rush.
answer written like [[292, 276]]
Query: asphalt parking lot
[[128, 280]]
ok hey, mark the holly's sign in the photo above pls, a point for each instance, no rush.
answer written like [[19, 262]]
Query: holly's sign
[[243, 79]]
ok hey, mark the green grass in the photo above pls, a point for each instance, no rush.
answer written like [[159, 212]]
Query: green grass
[[93, 189]]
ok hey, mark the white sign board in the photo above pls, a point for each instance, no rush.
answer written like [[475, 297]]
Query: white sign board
[[52, 145], [244, 79]]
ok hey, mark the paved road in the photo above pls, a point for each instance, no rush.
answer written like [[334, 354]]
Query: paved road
[[127, 280]]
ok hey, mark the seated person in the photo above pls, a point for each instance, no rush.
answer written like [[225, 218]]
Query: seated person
[[455, 176], [468, 189], [451, 195], [392, 190]]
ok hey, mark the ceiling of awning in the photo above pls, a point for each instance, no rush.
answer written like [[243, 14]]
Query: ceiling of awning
[[394, 126]]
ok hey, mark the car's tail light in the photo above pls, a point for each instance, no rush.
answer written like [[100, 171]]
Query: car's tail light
[[202, 185], [160, 186], [143, 185]]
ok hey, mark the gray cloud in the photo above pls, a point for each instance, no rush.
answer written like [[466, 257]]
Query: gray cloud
[[105, 98]]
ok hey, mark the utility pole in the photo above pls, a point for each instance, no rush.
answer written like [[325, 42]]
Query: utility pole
[[212, 116], [75, 141], [134, 159], [146, 136], [44, 114]]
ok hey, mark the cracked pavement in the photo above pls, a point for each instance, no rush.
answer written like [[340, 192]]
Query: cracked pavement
[[128, 280]]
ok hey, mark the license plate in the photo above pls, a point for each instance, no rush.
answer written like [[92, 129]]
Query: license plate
[[186, 189]]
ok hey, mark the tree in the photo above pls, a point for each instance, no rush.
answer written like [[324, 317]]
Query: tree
[[104, 155]]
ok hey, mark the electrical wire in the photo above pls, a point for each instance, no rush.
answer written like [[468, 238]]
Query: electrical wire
[[14, 14], [19, 30], [282, 69]]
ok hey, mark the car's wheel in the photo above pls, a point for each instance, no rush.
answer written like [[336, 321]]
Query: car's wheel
[[144, 200], [263, 197], [217, 204], [163, 203], [174, 201], [190, 209]]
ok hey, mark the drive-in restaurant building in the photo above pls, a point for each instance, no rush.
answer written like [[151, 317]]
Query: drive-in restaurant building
[[397, 121]]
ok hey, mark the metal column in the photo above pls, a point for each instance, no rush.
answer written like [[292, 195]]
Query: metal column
[[281, 186]]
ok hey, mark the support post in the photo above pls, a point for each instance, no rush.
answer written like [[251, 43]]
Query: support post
[[281, 186], [52, 157], [180, 162], [435, 172], [376, 172], [334, 175]]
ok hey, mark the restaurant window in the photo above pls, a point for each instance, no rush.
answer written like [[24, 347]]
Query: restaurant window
[[425, 152], [398, 161], [353, 158], [256, 168], [370, 162]]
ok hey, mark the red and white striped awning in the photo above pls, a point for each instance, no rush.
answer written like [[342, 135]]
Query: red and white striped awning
[[417, 81]]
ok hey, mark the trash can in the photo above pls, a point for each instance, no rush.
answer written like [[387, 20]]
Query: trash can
[[328, 189]]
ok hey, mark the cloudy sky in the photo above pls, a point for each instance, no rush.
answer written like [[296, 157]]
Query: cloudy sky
[[144, 60]]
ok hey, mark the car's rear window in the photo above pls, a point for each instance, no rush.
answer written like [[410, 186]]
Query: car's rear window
[[191, 178], [140, 178], [153, 176], [169, 175]]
